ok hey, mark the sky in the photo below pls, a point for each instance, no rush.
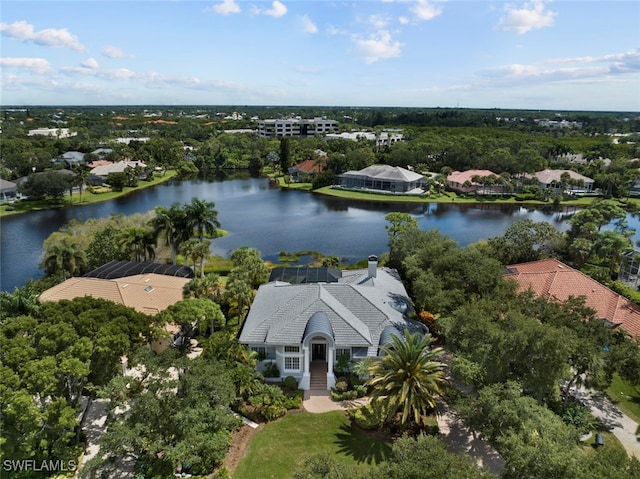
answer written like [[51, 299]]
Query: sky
[[551, 55]]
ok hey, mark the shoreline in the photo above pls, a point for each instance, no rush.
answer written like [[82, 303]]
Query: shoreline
[[43, 205]]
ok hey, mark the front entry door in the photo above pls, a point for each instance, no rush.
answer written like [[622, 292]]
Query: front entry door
[[318, 352]]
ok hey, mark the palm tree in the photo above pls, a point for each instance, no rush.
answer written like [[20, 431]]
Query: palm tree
[[202, 217], [239, 294], [172, 223], [208, 286], [408, 377], [197, 251], [64, 258], [138, 243]]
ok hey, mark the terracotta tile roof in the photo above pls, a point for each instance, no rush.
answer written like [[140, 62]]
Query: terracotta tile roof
[[462, 176], [553, 279], [146, 293], [309, 166]]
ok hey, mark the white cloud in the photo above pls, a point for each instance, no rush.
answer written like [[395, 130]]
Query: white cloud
[[532, 15], [426, 10], [379, 46], [277, 10], [49, 37], [226, 7], [110, 51], [602, 68], [378, 21], [628, 61], [307, 25], [90, 63], [39, 66], [333, 31], [403, 20]]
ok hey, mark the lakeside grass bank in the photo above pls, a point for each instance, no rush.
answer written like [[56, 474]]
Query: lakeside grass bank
[[74, 199]]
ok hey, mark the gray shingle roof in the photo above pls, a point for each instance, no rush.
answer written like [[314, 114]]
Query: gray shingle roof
[[386, 172], [358, 312]]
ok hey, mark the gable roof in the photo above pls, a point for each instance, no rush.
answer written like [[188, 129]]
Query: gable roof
[[355, 310], [146, 293], [554, 280], [7, 186]]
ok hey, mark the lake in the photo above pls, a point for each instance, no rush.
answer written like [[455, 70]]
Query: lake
[[265, 218]]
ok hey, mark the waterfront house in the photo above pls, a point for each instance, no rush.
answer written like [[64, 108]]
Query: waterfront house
[[561, 181], [305, 326], [104, 171], [474, 181], [383, 178], [8, 191]]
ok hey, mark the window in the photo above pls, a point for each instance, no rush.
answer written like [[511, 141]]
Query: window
[[292, 349], [291, 363], [261, 350], [359, 352], [343, 352]]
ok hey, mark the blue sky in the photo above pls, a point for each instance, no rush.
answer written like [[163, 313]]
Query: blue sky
[[563, 54]]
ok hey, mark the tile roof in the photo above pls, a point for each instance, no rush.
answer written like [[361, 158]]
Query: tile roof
[[307, 166], [358, 307], [386, 172], [555, 176], [462, 176], [553, 279], [146, 293]]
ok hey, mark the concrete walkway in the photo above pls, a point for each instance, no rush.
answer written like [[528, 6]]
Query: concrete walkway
[[459, 439], [621, 425], [93, 425], [319, 401]]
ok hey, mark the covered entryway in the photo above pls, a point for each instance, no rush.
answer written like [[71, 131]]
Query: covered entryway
[[318, 352], [319, 349], [318, 371]]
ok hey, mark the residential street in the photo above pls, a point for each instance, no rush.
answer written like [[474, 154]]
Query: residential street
[[622, 426]]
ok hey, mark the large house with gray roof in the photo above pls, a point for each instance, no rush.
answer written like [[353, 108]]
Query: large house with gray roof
[[384, 178], [310, 324]]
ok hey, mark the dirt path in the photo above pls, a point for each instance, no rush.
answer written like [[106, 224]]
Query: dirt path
[[239, 443]]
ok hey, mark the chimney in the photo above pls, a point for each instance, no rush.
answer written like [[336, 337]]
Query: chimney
[[373, 265]]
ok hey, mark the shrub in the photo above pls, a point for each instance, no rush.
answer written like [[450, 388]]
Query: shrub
[[271, 370], [368, 418], [273, 411], [343, 396], [293, 401], [361, 390], [290, 382], [342, 385]]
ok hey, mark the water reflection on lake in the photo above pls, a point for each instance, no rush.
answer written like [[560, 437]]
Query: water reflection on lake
[[267, 219]]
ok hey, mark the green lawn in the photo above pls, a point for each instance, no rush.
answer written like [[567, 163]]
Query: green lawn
[[626, 396], [87, 198], [280, 447]]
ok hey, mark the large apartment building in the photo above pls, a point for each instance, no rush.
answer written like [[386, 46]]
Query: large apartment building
[[296, 127]]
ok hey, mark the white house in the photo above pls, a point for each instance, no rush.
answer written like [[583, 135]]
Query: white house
[[353, 314], [54, 132], [104, 171], [552, 179]]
